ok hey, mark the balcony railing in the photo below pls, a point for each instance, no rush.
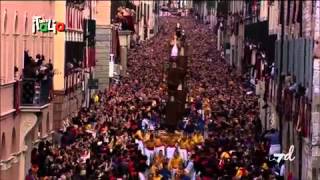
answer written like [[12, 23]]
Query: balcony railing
[[35, 92]]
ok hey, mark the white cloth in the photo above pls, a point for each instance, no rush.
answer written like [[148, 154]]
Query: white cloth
[[275, 148], [253, 57], [141, 176], [174, 51], [183, 154], [84, 158], [152, 126], [170, 152], [140, 146], [282, 170], [190, 170], [145, 124], [157, 149], [149, 153]]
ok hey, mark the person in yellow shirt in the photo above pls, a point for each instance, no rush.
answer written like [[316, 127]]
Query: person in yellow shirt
[[191, 144], [146, 136], [198, 138], [96, 98], [138, 139], [183, 146], [175, 162], [156, 176], [241, 172], [225, 155], [138, 135], [159, 159], [153, 169]]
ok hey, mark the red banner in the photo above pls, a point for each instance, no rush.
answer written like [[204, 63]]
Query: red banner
[[74, 18], [90, 57]]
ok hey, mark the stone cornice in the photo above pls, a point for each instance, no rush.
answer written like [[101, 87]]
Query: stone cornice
[[14, 158]]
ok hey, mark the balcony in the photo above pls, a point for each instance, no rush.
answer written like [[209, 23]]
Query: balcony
[[35, 94]]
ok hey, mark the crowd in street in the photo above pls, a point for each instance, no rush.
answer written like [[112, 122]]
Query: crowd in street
[[118, 136]]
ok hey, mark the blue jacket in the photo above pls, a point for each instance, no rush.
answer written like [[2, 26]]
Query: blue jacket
[[273, 138]]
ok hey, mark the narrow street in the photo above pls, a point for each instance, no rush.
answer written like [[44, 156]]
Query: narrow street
[[213, 88], [160, 90]]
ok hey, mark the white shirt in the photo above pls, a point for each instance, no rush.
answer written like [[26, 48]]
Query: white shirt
[[141, 176], [189, 167], [174, 50], [145, 123], [282, 170]]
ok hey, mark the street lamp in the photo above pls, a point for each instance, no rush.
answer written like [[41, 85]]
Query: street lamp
[[111, 66], [124, 37], [111, 69]]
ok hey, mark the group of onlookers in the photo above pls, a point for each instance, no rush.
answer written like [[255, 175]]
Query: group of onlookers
[[219, 138]]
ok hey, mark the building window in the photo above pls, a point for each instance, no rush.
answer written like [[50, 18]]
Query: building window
[[5, 21], [13, 139], [141, 9], [148, 12], [16, 22], [3, 145], [138, 13], [26, 24], [144, 10]]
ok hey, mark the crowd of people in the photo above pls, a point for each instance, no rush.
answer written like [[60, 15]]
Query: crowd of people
[[36, 68], [120, 135], [37, 76]]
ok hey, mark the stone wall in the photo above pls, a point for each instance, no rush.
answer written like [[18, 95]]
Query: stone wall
[[103, 47]]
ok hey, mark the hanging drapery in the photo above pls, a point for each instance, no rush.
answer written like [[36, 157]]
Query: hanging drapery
[[91, 56]]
